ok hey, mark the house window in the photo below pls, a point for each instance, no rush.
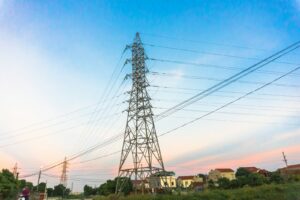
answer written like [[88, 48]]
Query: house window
[[166, 184], [172, 183]]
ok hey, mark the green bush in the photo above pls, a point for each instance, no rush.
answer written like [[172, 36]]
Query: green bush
[[289, 191]]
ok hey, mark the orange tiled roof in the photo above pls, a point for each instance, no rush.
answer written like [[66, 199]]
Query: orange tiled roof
[[224, 170], [293, 166], [185, 177]]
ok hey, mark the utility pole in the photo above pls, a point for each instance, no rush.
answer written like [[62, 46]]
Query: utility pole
[[63, 177], [141, 156], [46, 192], [285, 159], [39, 178]]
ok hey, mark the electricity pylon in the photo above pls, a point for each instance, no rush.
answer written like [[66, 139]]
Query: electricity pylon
[[15, 171], [141, 156], [63, 177]]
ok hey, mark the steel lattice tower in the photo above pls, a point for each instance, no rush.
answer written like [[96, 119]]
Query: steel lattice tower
[[63, 177], [141, 155]]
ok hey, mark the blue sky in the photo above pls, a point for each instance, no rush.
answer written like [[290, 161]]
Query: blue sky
[[57, 57]]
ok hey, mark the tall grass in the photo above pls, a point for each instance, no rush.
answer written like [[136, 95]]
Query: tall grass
[[289, 191]]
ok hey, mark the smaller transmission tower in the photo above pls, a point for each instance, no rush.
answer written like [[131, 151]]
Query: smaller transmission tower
[[15, 171], [63, 177]]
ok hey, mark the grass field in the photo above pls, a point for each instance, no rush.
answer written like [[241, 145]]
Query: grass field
[[289, 191]]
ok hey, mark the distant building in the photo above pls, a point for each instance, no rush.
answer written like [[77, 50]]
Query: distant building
[[198, 186], [218, 173], [257, 170], [290, 170], [140, 184], [187, 181], [163, 180]]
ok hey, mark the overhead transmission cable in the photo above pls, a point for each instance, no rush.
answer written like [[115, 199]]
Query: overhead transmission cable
[[230, 80], [215, 79], [231, 102], [106, 92], [175, 90], [30, 131], [185, 63], [214, 54], [74, 156], [203, 42], [213, 88], [31, 127], [109, 107], [210, 112]]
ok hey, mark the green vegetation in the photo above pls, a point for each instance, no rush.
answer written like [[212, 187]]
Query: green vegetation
[[10, 186], [108, 188], [245, 178], [59, 191], [289, 191]]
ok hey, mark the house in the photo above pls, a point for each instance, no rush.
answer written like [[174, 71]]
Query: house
[[218, 173], [140, 184], [187, 181], [163, 180], [198, 186], [263, 172], [290, 170]]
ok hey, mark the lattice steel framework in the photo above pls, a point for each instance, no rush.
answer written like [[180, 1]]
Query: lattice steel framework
[[141, 155], [63, 177]]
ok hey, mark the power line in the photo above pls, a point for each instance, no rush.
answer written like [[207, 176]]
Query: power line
[[231, 102], [24, 128], [204, 42], [242, 106], [12, 136], [48, 134], [216, 79], [107, 90], [220, 91], [97, 158], [236, 113], [104, 112], [232, 79], [116, 138], [215, 66], [214, 54]]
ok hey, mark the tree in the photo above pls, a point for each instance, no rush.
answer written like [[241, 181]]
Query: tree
[[41, 187], [234, 184], [211, 184], [61, 190], [110, 186], [242, 172], [22, 183], [50, 192], [256, 179], [276, 178], [8, 185], [128, 186], [224, 183], [88, 191]]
